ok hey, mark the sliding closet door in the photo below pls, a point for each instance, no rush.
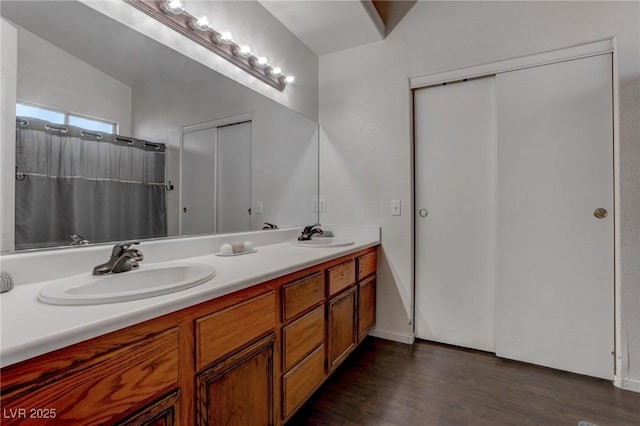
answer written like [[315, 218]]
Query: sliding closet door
[[554, 295], [455, 166], [199, 151], [234, 178]]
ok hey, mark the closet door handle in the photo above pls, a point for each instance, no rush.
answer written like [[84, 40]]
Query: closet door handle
[[423, 213], [600, 213]]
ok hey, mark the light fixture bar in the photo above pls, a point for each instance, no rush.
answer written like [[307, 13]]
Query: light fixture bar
[[183, 23]]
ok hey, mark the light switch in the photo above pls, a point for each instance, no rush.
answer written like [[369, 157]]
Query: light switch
[[322, 205], [259, 207], [395, 208]]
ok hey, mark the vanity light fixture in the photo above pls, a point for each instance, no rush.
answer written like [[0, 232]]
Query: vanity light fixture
[[197, 28]]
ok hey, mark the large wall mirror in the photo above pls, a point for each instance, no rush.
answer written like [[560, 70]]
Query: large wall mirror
[[120, 137]]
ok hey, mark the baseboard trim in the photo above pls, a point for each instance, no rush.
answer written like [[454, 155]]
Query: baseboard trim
[[627, 384], [396, 337]]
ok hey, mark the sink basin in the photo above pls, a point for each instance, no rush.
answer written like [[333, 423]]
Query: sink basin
[[148, 281], [322, 242]]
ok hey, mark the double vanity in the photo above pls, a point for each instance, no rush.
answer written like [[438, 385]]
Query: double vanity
[[248, 346]]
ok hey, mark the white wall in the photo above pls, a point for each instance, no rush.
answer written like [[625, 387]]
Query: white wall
[[366, 145], [8, 82], [49, 76], [250, 24]]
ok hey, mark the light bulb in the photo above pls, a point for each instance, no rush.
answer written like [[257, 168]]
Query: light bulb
[[243, 50], [276, 72], [174, 7], [225, 37], [200, 22], [262, 61], [289, 79]]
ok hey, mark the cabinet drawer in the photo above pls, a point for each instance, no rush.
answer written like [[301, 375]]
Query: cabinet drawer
[[115, 384], [302, 336], [300, 295], [367, 265], [300, 382], [341, 277], [225, 331]]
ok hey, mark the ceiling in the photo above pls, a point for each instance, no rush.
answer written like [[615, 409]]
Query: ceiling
[[327, 26]]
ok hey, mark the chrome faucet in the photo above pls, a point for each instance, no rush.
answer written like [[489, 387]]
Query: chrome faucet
[[122, 259], [310, 231]]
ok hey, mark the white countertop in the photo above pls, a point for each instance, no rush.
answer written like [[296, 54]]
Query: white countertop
[[30, 328]]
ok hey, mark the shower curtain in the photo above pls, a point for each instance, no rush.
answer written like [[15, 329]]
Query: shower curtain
[[72, 181]]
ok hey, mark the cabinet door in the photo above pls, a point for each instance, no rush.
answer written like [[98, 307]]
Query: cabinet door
[[163, 412], [342, 334], [239, 389], [366, 306]]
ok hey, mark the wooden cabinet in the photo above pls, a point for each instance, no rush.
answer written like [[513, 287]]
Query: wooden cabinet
[[342, 335], [163, 412], [299, 383], [222, 332], [301, 337], [341, 277], [100, 389], [301, 295], [239, 389], [366, 306], [252, 357]]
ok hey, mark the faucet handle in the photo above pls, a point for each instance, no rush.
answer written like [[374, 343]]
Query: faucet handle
[[119, 248], [310, 227]]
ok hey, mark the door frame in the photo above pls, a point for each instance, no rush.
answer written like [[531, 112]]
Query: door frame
[[190, 128], [561, 55]]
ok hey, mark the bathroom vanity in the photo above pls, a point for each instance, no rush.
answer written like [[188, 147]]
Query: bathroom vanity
[[252, 356]]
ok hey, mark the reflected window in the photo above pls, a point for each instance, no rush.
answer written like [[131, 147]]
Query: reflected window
[[41, 113], [62, 117], [92, 124]]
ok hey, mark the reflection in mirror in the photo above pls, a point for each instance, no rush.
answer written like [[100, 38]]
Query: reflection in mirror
[[195, 152]]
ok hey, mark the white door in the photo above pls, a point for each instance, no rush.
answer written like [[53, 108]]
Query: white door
[[554, 295], [455, 176], [233, 199], [198, 182]]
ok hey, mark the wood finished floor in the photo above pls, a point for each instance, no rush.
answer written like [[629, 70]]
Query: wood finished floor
[[388, 383]]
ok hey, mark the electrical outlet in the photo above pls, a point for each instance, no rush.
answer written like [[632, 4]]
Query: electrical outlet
[[396, 208], [322, 205], [259, 207]]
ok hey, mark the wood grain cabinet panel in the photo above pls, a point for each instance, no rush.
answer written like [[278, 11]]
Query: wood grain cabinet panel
[[238, 391], [121, 379], [301, 295], [223, 332], [163, 412], [342, 276], [366, 306], [367, 265], [342, 335], [299, 383], [301, 337]]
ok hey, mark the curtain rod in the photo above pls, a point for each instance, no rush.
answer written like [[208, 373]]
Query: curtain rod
[[79, 132]]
